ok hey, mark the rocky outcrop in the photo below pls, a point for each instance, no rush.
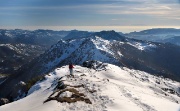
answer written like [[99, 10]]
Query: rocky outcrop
[[68, 93], [4, 101]]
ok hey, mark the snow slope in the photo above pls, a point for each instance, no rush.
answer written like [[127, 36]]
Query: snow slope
[[112, 89], [142, 46]]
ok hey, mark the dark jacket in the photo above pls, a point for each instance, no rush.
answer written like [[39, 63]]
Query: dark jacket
[[71, 66]]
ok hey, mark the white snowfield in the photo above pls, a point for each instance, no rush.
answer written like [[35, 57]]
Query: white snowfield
[[113, 89], [142, 46]]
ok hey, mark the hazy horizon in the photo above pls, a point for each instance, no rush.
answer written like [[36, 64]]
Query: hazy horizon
[[123, 29]]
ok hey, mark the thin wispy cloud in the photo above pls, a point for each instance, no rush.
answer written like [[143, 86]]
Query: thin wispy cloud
[[89, 12]]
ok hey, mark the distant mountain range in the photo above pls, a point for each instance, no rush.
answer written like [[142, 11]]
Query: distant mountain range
[[162, 35], [13, 56], [18, 47], [173, 40], [105, 46], [37, 37]]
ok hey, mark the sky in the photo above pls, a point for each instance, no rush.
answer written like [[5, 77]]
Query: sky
[[120, 15]]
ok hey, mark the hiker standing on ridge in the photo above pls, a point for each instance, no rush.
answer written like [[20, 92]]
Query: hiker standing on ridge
[[71, 68]]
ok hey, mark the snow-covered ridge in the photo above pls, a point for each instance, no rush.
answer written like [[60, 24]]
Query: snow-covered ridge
[[112, 89], [71, 46], [102, 44], [77, 51], [125, 52], [142, 46]]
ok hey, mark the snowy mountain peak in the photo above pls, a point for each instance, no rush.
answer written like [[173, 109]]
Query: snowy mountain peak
[[76, 51], [112, 89]]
